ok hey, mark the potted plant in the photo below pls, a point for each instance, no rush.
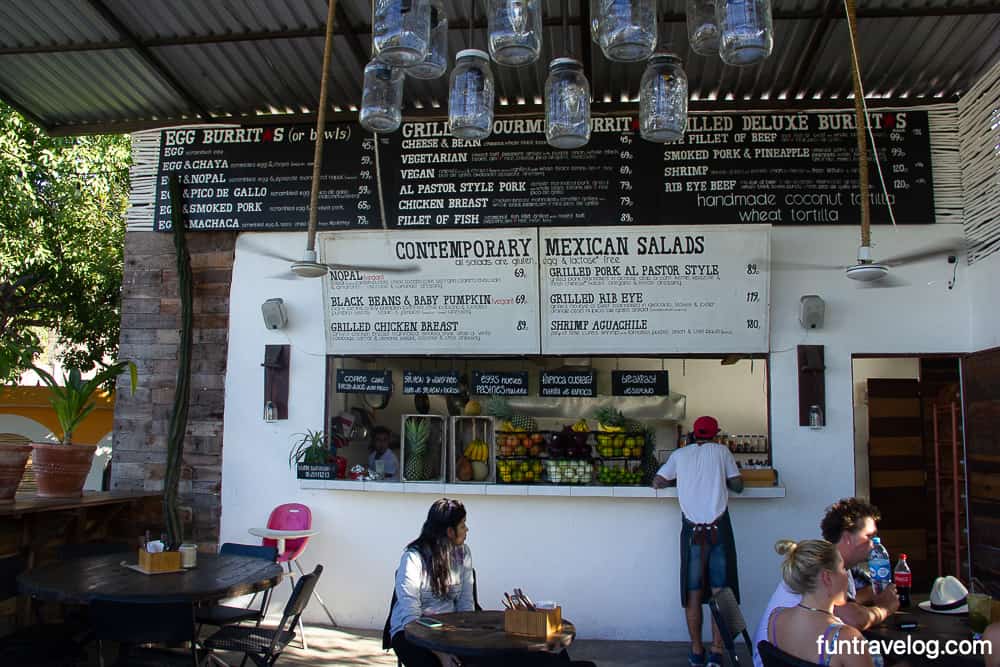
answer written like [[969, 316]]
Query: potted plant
[[312, 455], [61, 469], [13, 457]]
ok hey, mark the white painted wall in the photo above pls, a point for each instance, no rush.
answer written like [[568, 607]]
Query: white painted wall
[[984, 276], [865, 369], [611, 563]]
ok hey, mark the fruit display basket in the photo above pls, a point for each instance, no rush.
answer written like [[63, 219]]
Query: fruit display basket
[[473, 444], [424, 446], [619, 445], [569, 471], [520, 470], [619, 471], [521, 444]]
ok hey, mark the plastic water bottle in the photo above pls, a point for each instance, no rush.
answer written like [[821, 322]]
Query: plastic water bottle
[[903, 579], [879, 566]]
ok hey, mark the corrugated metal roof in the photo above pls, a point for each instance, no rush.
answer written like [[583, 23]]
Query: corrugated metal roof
[[110, 65]]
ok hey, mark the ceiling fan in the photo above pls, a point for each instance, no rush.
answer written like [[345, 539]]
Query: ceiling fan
[[867, 270]]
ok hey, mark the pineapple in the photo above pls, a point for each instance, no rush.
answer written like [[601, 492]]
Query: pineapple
[[499, 407], [416, 434]]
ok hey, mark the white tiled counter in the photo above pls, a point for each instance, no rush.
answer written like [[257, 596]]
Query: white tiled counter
[[443, 489]]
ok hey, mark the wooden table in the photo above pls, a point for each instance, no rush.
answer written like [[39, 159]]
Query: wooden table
[[104, 578], [479, 634], [939, 627]]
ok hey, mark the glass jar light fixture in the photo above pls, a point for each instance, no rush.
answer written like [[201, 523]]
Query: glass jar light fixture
[[567, 104], [746, 31], [702, 27], [401, 31], [663, 99], [595, 21], [435, 62], [515, 31], [627, 29], [470, 96], [381, 98]]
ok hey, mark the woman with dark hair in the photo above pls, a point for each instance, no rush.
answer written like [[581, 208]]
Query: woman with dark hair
[[434, 577]]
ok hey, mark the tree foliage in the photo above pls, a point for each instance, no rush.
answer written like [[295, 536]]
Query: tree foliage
[[62, 231]]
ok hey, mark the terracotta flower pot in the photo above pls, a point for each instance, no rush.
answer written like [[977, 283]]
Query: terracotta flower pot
[[12, 460], [61, 470]]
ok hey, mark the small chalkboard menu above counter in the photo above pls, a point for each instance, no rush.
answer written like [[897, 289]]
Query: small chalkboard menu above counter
[[438, 383], [789, 168], [357, 381], [444, 292], [640, 290], [579, 384], [640, 383], [500, 383]]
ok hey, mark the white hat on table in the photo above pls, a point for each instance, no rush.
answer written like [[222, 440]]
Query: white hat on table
[[948, 596]]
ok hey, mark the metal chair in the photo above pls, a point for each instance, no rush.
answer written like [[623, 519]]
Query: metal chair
[[729, 619], [263, 646], [42, 643], [294, 516], [221, 615], [772, 656], [134, 623]]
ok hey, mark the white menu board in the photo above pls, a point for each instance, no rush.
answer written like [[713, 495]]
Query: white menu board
[[457, 293], [654, 290]]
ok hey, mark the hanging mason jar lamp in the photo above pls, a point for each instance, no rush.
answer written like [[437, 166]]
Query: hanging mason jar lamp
[[663, 99], [435, 62], [401, 31], [381, 98], [746, 32], [515, 31], [470, 97], [627, 30], [567, 104], [702, 27], [595, 21]]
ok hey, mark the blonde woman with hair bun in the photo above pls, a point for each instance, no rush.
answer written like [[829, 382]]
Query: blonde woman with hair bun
[[809, 631]]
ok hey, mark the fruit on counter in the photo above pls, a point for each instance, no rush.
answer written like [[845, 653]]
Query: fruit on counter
[[479, 471], [500, 407], [518, 445], [520, 472], [576, 471], [617, 475], [477, 450], [581, 425], [416, 433], [463, 469], [620, 445], [610, 419], [472, 408]]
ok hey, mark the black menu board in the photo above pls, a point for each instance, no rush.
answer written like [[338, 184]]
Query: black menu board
[[354, 381], [440, 383], [787, 168], [640, 383], [500, 383]]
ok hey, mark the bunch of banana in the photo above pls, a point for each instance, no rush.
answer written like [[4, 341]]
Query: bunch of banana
[[477, 450], [581, 425], [508, 427]]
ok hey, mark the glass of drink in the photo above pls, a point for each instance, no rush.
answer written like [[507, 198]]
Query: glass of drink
[[979, 611]]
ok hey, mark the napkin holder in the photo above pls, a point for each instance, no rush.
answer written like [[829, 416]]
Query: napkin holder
[[540, 624], [164, 561]]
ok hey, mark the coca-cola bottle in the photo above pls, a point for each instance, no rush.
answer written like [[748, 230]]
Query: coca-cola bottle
[[903, 579]]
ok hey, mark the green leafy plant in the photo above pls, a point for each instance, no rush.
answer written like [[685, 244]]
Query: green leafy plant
[[309, 448], [73, 399]]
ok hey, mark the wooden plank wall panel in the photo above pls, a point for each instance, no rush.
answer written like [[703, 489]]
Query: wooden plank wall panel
[[981, 378]]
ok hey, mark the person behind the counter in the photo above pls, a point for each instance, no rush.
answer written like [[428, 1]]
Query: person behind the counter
[[381, 456], [702, 471]]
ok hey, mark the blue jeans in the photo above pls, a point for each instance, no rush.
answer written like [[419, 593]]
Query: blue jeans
[[716, 566]]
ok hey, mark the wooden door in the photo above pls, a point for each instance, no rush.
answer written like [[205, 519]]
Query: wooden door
[[897, 473], [981, 391]]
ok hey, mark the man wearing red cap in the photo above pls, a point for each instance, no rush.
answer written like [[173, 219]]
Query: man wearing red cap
[[702, 471]]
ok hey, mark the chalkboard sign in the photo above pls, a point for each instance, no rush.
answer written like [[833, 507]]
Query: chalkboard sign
[[351, 381], [639, 383], [568, 383], [439, 383], [496, 383], [782, 168]]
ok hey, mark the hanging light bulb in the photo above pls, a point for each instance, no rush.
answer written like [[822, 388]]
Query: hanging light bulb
[[663, 98], [567, 104], [515, 31], [627, 29], [435, 62], [702, 27], [470, 97], [381, 98], [747, 34], [401, 31]]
